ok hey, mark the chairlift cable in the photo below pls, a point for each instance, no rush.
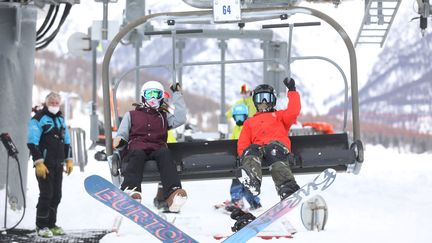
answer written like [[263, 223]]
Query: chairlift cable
[[53, 18], [47, 18], [48, 40]]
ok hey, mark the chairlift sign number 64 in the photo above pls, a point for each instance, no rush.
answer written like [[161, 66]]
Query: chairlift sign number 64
[[226, 10]]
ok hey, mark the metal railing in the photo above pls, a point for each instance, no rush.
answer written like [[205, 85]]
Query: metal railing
[[79, 151]]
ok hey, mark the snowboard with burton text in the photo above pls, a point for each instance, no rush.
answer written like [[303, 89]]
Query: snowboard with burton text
[[107, 193]]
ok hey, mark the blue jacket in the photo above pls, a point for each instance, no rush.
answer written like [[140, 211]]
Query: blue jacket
[[48, 138]]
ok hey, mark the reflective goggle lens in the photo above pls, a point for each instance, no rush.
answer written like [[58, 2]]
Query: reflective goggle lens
[[153, 93], [261, 97], [239, 118]]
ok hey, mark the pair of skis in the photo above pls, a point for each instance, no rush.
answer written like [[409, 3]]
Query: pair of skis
[[105, 192]]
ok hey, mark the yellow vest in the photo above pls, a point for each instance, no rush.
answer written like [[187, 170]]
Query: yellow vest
[[236, 132], [171, 138]]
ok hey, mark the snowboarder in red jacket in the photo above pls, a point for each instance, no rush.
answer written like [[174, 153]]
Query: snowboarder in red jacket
[[264, 141]]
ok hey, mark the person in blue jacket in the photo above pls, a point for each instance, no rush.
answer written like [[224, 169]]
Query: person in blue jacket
[[49, 144], [238, 191], [240, 113]]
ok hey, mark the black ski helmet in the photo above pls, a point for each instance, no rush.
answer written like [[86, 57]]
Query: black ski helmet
[[264, 88]]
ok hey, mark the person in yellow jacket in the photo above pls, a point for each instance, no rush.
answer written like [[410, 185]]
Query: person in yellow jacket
[[238, 191], [246, 100]]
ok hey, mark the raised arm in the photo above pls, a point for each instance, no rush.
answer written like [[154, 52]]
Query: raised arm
[[178, 117], [290, 114]]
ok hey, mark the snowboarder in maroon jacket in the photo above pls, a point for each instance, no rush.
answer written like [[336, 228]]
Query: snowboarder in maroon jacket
[[143, 132]]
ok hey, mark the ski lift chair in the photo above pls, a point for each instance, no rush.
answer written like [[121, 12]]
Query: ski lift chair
[[217, 159]]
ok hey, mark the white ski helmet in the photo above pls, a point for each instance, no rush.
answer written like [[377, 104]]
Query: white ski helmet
[[151, 85]]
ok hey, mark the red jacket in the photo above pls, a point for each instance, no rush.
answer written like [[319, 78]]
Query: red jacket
[[266, 126]]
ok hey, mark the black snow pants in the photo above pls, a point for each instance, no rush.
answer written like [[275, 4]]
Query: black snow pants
[[134, 167], [50, 193]]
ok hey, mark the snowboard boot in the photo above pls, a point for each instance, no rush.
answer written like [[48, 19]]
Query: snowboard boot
[[228, 206], [44, 232], [242, 219], [251, 174], [133, 193], [56, 230], [255, 206], [176, 200], [159, 201], [287, 189], [237, 213], [231, 206]]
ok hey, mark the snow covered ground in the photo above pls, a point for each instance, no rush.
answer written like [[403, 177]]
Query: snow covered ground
[[390, 201]]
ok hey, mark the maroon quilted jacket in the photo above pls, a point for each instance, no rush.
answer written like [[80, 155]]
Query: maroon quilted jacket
[[148, 129]]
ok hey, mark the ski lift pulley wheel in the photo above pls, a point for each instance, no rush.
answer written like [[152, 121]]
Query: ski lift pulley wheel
[[314, 213]]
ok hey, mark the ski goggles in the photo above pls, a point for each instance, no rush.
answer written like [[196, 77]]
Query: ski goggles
[[267, 97], [153, 93], [239, 118]]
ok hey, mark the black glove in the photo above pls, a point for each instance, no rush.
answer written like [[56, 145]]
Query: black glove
[[119, 142], [175, 87], [290, 84]]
